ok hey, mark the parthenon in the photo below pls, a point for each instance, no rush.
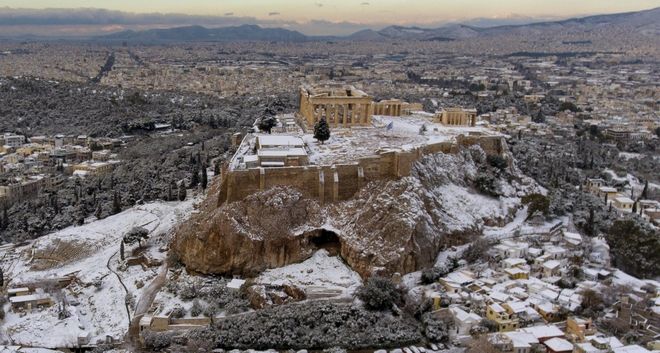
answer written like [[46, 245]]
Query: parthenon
[[343, 106]]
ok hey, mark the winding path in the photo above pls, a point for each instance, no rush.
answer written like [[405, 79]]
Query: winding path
[[128, 310], [144, 303]]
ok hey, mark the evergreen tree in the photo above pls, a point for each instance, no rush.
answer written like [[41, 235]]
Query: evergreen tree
[[2, 278], [56, 204], [645, 190], [169, 192], [634, 210], [322, 130], [121, 250], [182, 192], [5, 218], [194, 179], [204, 177], [267, 124], [591, 223], [116, 203], [216, 168]]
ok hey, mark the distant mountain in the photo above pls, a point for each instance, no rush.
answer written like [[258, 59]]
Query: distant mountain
[[203, 34], [644, 22]]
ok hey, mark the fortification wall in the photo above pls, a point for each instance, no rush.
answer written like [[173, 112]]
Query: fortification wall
[[341, 181]]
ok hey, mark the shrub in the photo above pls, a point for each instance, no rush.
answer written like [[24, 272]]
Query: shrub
[[536, 202], [136, 235], [187, 291], [497, 162], [490, 325], [487, 184], [433, 274], [313, 326], [635, 248], [267, 124], [437, 329], [379, 294], [196, 308], [477, 251], [569, 106], [158, 340], [178, 312], [129, 299]]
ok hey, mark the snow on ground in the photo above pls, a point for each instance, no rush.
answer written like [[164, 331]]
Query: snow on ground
[[624, 279], [321, 270], [509, 229], [631, 180], [444, 257], [16, 349], [628, 155], [85, 251], [348, 144], [465, 208]]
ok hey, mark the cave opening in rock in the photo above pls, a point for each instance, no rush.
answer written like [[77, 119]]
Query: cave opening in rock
[[326, 239]]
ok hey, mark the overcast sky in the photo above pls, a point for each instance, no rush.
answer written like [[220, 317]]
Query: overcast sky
[[319, 15]]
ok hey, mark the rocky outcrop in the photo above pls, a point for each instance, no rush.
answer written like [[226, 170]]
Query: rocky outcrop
[[249, 236], [388, 226]]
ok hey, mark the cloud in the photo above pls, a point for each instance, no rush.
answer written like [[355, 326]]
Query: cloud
[[88, 16], [319, 4], [89, 21]]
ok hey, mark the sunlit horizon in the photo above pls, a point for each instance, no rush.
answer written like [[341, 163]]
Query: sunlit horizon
[[368, 12]]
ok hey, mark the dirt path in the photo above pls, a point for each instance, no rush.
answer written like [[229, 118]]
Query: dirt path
[[144, 303]]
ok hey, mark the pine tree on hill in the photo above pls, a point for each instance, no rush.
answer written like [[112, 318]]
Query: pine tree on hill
[[322, 130], [194, 179], [205, 177], [5, 218], [116, 203], [182, 192], [645, 190]]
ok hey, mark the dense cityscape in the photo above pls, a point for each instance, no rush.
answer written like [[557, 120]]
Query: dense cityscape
[[403, 190]]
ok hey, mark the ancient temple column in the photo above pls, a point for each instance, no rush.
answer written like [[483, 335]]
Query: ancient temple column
[[346, 114], [313, 115], [365, 120], [333, 113]]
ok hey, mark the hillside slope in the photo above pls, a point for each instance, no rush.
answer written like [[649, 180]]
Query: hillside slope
[[389, 226]]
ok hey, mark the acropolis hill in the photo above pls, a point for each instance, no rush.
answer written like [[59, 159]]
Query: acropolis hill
[[363, 147], [386, 195]]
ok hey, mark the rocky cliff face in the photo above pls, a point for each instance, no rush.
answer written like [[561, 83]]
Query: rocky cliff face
[[388, 226]]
